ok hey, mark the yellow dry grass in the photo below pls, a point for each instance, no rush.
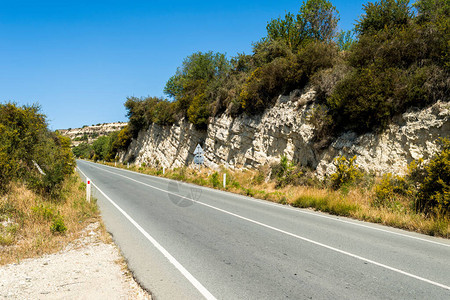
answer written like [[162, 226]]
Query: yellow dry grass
[[27, 218]]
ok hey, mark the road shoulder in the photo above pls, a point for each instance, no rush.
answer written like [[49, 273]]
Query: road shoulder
[[87, 268]]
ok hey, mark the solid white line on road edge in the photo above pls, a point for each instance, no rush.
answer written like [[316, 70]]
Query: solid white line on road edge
[[315, 214], [161, 249], [294, 235]]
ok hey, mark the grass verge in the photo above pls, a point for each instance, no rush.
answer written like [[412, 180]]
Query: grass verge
[[31, 226]]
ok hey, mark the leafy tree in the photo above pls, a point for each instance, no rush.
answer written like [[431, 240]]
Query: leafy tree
[[83, 150], [164, 112], [196, 67], [26, 141], [320, 19], [136, 114], [316, 21], [384, 14], [288, 29], [433, 11], [101, 147], [345, 39], [119, 142], [195, 83], [433, 16]]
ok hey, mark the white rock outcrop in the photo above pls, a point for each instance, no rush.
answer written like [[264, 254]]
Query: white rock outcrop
[[410, 136], [92, 132], [252, 141]]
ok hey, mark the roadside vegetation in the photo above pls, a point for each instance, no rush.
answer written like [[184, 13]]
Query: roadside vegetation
[[418, 201], [395, 58], [42, 201]]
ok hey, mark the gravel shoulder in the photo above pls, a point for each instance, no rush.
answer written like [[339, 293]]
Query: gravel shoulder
[[88, 268]]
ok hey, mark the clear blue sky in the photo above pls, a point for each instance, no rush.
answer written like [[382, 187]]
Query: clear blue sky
[[80, 59]]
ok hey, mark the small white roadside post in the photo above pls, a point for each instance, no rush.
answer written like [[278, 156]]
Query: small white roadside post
[[164, 170], [128, 165], [88, 190], [115, 164], [224, 180]]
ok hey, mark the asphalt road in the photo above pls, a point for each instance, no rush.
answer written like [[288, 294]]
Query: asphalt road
[[188, 242]]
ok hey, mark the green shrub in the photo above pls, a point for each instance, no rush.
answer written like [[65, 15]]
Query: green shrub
[[6, 239], [316, 56], [286, 173], [44, 211], [179, 174], [259, 177], [347, 172], [384, 14], [122, 140], [26, 141], [85, 210], [249, 192], [215, 180], [236, 184], [316, 21], [398, 62], [388, 190], [434, 190], [267, 82], [200, 181], [58, 225], [83, 150], [416, 171], [283, 172], [198, 112]]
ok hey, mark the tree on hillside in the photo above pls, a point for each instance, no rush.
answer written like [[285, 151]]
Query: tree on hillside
[[195, 82], [432, 10], [345, 39], [316, 21], [26, 141], [320, 19], [384, 14], [287, 29]]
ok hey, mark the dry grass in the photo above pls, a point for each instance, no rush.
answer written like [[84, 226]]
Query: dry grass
[[28, 221], [355, 202]]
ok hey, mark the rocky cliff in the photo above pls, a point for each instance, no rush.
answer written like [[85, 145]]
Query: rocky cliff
[[90, 133], [250, 142]]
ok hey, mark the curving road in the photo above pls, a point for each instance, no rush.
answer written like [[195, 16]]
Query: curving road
[[188, 242]]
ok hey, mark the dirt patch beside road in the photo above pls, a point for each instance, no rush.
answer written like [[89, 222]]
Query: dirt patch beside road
[[88, 268]]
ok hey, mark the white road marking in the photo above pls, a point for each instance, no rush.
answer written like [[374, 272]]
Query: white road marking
[[161, 249], [297, 210], [292, 234]]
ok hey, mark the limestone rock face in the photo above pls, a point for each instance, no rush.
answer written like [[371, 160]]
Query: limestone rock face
[[238, 142], [252, 141], [166, 146], [91, 132], [410, 136]]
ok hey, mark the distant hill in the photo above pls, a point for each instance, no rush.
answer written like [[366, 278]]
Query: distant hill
[[90, 133]]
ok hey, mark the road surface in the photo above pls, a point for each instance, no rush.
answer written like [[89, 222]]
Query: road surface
[[188, 242]]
